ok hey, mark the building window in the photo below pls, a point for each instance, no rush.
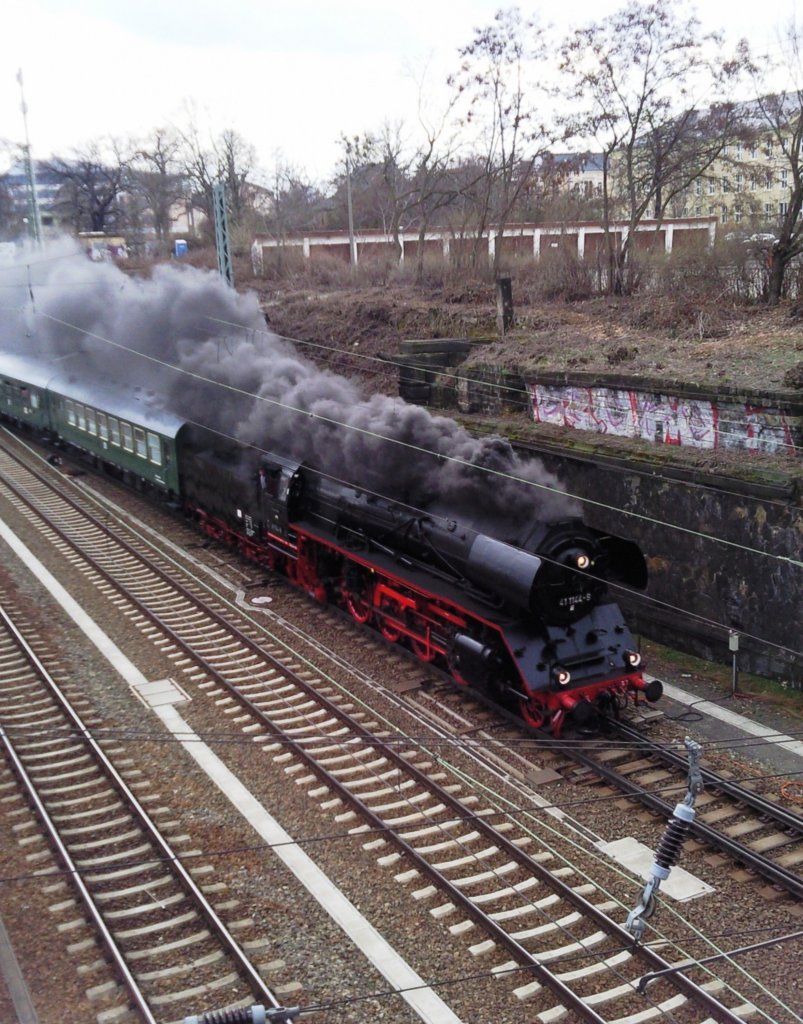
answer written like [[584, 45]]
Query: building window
[[139, 437], [91, 425], [737, 215], [783, 209], [698, 211], [103, 427], [712, 212], [769, 148], [739, 181], [768, 181], [69, 405], [738, 151], [754, 152], [154, 449], [768, 211], [128, 437], [698, 187], [723, 217], [114, 430], [726, 185], [753, 183], [712, 186], [784, 178], [725, 149]]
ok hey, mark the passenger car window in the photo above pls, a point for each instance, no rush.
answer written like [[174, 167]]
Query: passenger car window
[[128, 437], [139, 437], [154, 449]]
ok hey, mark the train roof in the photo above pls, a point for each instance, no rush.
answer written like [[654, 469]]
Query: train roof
[[136, 404]]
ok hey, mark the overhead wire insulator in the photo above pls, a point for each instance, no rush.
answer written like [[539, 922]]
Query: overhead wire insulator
[[668, 852], [256, 1014]]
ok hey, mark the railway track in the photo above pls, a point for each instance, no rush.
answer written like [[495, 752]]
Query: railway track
[[757, 832], [121, 879], [526, 914]]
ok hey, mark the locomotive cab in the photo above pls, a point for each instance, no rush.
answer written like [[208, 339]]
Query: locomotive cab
[[279, 487]]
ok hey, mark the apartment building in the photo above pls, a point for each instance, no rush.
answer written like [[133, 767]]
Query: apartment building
[[751, 181]]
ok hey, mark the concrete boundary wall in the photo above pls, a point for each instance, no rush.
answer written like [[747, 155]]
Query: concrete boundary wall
[[581, 239]]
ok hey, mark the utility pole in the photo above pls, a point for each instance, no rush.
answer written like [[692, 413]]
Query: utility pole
[[34, 217], [224, 265], [352, 243]]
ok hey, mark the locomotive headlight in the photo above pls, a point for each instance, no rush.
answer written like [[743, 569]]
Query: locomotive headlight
[[575, 558], [561, 676], [632, 658]]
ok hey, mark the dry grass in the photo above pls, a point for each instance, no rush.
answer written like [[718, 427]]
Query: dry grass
[[711, 344]]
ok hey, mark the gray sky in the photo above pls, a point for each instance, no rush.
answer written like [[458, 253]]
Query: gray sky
[[291, 77]]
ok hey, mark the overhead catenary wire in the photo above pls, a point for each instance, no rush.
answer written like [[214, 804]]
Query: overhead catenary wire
[[426, 744], [635, 595], [445, 374], [362, 836], [700, 619], [332, 421], [708, 939]]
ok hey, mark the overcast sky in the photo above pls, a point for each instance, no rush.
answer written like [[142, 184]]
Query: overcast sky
[[289, 76]]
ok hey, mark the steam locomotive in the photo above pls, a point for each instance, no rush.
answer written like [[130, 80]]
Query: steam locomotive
[[523, 615]]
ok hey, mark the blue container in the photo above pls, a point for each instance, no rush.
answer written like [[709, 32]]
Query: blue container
[[180, 247]]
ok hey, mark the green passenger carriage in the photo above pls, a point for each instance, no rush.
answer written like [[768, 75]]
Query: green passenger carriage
[[122, 429]]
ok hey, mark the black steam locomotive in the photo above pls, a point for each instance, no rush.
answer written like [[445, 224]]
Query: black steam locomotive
[[527, 620]]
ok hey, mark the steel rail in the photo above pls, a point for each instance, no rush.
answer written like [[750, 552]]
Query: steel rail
[[134, 991], [788, 880], [208, 912], [786, 818]]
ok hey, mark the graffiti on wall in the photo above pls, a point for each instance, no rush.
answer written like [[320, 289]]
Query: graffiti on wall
[[663, 419]]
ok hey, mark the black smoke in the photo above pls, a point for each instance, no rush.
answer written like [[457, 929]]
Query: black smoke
[[202, 350]]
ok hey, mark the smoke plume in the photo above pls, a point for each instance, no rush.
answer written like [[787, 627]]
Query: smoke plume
[[202, 350]]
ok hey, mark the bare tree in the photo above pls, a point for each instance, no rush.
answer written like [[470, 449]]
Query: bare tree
[[236, 159], [228, 159], [636, 81], [297, 204], [777, 120], [492, 80], [412, 184], [155, 177], [93, 183]]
